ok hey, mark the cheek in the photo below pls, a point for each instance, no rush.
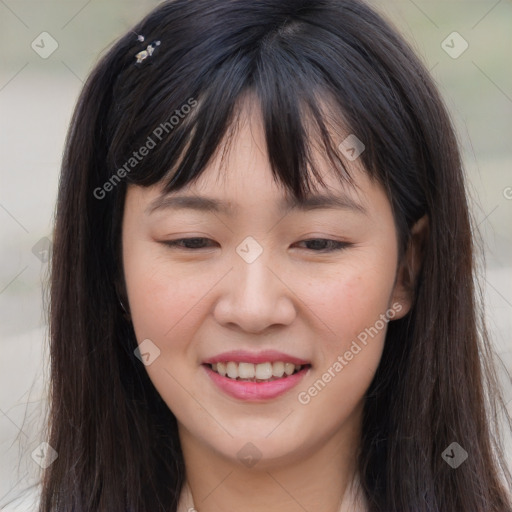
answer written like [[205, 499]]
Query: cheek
[[350, 315], [160, 299], [349, 308], [349, 301], [147, 290]]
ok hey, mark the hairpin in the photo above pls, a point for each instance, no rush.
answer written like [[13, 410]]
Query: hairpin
[[144, 54]]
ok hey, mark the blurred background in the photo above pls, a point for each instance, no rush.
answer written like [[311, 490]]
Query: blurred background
[[47, 49]]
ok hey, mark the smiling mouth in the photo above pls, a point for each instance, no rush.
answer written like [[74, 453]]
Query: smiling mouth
[[262, 372]]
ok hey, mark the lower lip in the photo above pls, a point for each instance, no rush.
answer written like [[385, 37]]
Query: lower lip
[[255, 391]]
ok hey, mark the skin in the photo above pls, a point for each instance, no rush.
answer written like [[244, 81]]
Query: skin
[[295, 298]]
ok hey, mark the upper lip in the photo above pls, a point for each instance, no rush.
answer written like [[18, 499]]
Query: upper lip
[[265, 356]]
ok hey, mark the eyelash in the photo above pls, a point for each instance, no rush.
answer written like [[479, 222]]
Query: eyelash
[[338, 246]]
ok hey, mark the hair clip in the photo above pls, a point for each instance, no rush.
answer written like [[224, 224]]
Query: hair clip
[[144, 54]]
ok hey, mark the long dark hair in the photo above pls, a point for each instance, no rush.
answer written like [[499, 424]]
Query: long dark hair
[[306, 60]]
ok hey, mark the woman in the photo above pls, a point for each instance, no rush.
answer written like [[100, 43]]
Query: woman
[[262, 279]]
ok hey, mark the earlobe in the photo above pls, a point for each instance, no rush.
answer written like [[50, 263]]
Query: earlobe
[[410, 266]]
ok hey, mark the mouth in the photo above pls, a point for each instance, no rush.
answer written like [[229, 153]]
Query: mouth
[[260, 373], [254, 378]]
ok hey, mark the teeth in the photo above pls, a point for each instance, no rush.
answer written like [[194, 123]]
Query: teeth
[[263, 371], [278, 369], [255, 372], [289, 368], [221, 369], [232, 370], [246, 371]]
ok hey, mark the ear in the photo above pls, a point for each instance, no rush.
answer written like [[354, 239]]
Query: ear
[[409, 268]]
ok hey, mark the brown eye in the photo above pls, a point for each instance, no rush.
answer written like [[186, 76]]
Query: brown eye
[[324, 245], [188, 243]]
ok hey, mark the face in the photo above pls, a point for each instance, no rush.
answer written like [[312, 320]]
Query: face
[[257, 286]]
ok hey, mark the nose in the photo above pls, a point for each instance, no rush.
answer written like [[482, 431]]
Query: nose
[[255, 297]]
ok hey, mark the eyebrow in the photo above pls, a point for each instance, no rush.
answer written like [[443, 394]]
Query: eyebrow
[[209, 204]]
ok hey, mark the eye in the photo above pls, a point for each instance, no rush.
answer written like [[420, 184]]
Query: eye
[[325, 245], [315, 244], [188, 243]]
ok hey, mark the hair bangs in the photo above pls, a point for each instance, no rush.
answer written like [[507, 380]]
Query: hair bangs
[[302, 119]]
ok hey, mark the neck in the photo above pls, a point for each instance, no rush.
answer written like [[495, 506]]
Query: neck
[[320, 478]]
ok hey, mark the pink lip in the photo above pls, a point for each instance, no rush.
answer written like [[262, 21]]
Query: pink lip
[[255, 391], [243, 356]]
